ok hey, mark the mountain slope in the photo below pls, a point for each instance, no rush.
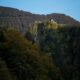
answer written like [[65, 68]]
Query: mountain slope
[[20, 20], [62, 43]]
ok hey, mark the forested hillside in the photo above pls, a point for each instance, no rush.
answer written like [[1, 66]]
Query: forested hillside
[[51, 53], [48, 50], [21, 60], [62, 43]]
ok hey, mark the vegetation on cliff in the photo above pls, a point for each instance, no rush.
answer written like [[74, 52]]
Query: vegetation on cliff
[[48, 51]]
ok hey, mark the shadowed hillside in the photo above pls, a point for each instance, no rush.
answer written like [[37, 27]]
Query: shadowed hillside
[[48, 50]]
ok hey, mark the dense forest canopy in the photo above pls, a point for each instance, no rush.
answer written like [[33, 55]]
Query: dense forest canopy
[[48, 54]]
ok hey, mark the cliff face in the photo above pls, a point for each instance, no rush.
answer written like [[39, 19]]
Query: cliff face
[[38, 29], [20, 20]]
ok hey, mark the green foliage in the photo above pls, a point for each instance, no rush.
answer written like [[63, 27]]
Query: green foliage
[[4, 72], [69, 42], [64, 46], [22, 59], [55, 54], [62, 43]]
